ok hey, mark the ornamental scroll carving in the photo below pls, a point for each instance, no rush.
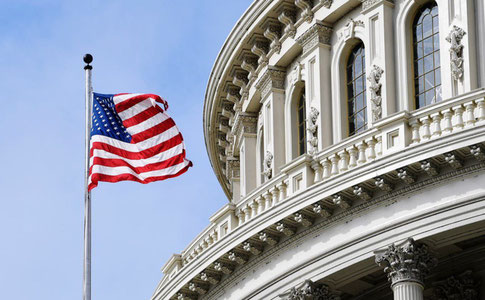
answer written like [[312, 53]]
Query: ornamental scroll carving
[[409, 261], [311, 291], [268, 160], [312, 129], [462, 287], [375, 89], [456, 51]]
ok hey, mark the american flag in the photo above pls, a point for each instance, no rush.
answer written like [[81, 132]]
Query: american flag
[[132, 138]]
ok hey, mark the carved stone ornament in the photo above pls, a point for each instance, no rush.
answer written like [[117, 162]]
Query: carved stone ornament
[[326, 3], [311, 291], [233, 168], [287, 16], [273, 78], [456, 51], [317, 34], [349, 29], [272, 31], [409, 261], [462, 287], [296, 73], [312, 128], [369, 3], [375, 89], [268, 160], [306, 7], [260, 48]]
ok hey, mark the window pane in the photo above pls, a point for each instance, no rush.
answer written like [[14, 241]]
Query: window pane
[[429, 80], [430, 97], [359, 102], [428, 45], [427, 26], [418, 32], [428, 63], [437, 76], [356, 90], [437, 59]]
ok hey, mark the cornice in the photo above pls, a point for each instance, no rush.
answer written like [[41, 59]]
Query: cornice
[[315, 35]]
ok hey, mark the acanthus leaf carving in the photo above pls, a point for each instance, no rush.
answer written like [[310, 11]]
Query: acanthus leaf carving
[[463, 287], [306, 7], [317, 34], [311, 290], [409, 261], [375, 88], [456, 51], [287, 16], [272, 31]]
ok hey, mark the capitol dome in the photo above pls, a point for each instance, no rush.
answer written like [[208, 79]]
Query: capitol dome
[[349, 138]]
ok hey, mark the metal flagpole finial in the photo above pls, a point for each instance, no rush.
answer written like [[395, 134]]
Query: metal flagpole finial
[[88, 58]]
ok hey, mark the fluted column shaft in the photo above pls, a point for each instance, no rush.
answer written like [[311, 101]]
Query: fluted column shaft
[[407, 290]]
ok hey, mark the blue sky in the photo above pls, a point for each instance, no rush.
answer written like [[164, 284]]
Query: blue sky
[[160, 46]]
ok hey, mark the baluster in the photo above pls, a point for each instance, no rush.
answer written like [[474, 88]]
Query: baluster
[[379, 145], [458, 117], [344, 161], [260, 201], [470, 113], [426, 121], [436, 117], [353, 152], [317, 169], [371, 146], [448, 128], [267, 198], [247, 213], [480, 109], [326, 168], [275, 193], [415, 124], [361, 146], [282, 188], [240, 216], [254, 208], [334, 159]]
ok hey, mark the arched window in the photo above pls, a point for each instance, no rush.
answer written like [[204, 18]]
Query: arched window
[[301, 119], [356, 98], [427, 76]]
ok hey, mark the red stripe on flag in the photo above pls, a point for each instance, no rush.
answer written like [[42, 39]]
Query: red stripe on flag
[[153, 131], [138, 155], [143, 116], [95, 178]]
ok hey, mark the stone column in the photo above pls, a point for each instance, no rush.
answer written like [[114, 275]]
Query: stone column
[[272, 85], [406, 265], [245, 133], [316, 60]]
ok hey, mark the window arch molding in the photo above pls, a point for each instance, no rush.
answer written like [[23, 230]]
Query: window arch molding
[[343, 49], [405, 47], [291, 120]]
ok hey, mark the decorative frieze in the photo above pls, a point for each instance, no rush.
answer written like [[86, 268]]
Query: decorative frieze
[[406, 176], [429, 167], [322, 211], [406, 262], [212, 279], [268, 238], [362, 193], [302, 219], [317, 34], [454, 161], [383, 184], [456, 51], [272, 31], [253, 248], [285, 229], [236, 257], [463, 287], [232, 168], [312, 129], [478, 152], [273, 78], [197, 288], [375, 89], [306, 8], [366, 4], [311, 290]]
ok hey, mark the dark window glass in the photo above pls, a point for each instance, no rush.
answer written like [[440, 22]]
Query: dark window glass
[[357, 105], [301, 124], [427, 77]]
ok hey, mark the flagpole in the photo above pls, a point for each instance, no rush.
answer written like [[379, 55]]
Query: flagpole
[[88, 58]]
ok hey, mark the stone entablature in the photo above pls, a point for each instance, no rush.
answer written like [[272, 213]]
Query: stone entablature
[[436, 131]]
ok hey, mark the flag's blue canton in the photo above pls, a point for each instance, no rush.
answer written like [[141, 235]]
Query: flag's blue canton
[[105, 119]]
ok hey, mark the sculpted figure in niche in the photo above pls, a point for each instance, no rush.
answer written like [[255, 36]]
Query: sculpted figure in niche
[[456, 51], [312, 131], [375, 88], [268, 159]]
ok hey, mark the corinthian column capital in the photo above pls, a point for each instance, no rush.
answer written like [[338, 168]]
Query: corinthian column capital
[[406, 262]]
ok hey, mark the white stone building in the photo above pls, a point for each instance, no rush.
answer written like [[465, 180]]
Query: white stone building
[[349, 138]]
